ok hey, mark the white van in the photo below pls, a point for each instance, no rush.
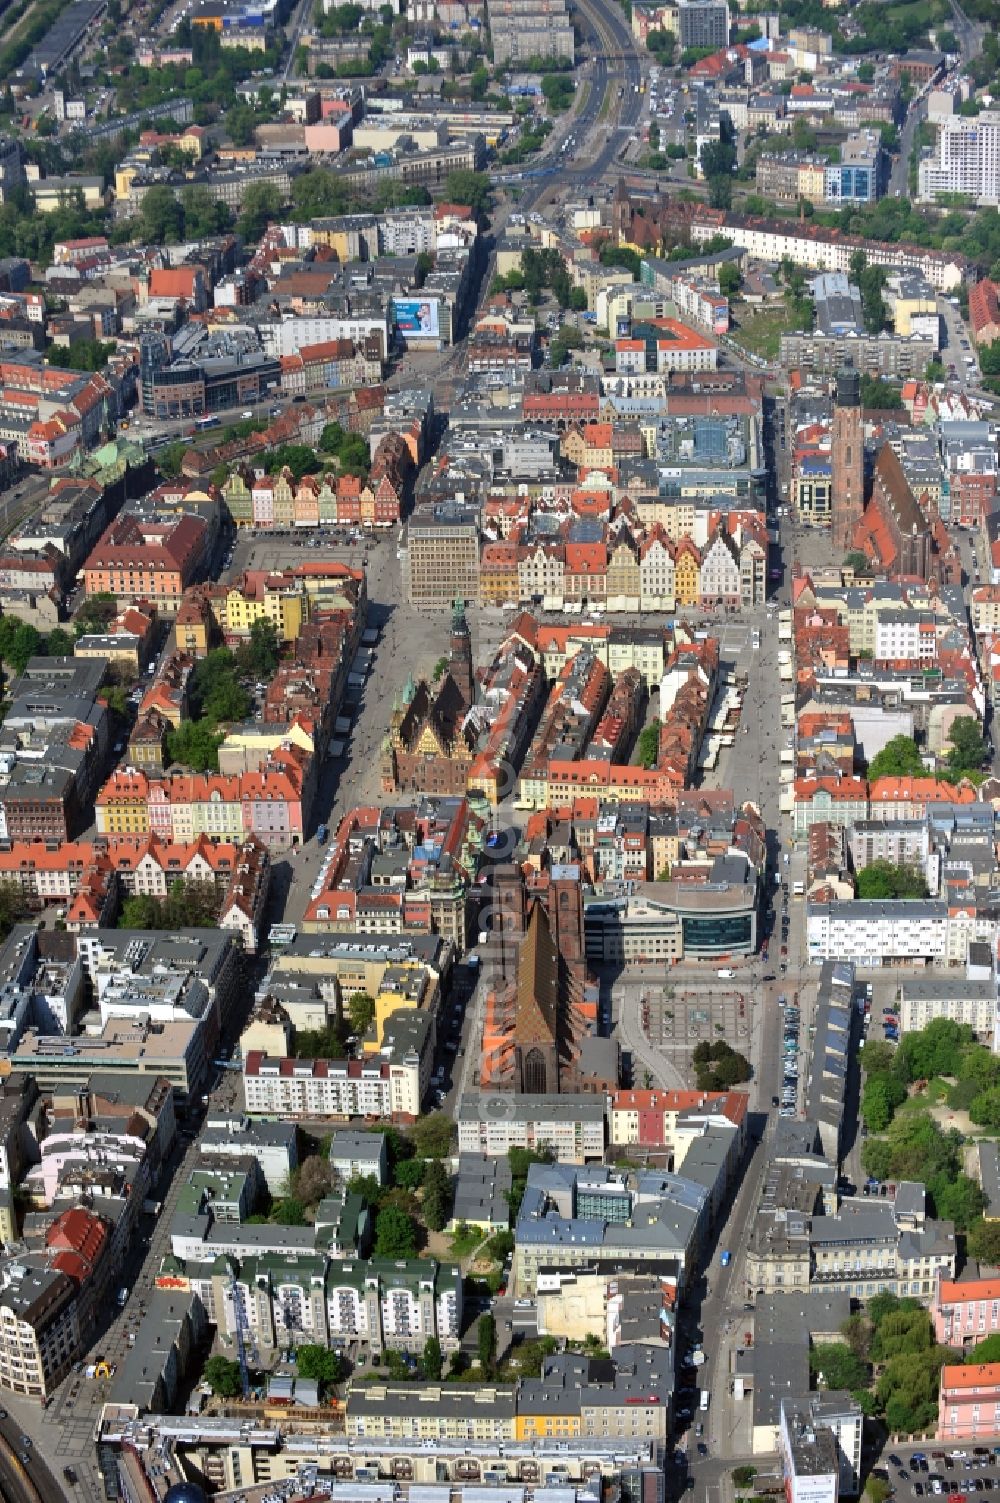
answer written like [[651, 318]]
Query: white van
[[703, 1400]]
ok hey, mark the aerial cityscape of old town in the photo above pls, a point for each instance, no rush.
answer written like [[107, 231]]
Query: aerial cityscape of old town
[[499, 751]]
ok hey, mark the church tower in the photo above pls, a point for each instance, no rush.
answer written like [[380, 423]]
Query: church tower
[[847, 469], [460, 653]]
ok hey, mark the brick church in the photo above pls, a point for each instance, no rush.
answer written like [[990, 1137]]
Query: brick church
[[540, 1032]]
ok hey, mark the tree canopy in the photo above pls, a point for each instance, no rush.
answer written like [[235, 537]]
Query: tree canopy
[[900, 757], [968, 750], [888, 879], [223, 1377], [718, 1066], [436, 1195], [319, 1363], [648, 746], [19, 642], [983, 1242], [187, 905], [395, 1234]]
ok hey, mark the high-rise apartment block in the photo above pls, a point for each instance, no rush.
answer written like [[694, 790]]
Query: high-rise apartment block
[[966, 159], [703, 23]]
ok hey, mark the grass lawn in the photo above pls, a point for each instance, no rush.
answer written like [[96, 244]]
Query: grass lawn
[[920, 12], [465, 1240], [759, 330]]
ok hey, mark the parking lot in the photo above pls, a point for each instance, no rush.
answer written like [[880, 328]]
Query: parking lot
[[943, 1472], [791, 1068]]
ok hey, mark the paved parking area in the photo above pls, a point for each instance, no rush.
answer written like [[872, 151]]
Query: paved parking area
[[940, 1470]]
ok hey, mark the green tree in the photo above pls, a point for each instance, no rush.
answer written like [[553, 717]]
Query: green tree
[[432, 1135], [59, 643], [361, 1012], [215, 689], [984, 1109], [19, 643], [290, 1212], [838, 1365], [959, 1200], [195, 744], [985, 1351], [437, 1195], [558, 91], [648, 746], [887, 879], [938, 1049], [873, 310], [968, 749], [882, 1094], [13, 907], [319, 1364], [878, 395], [899, 758], [877, 1058], [203, 215], [395, 1234], [170, 458], [161, 218], [241, 123], [470, 188], [83, 355], [486, 1337], [262, 653], [983, 1242], [718, 1066], [744, 1475], [621, 255], [409, 1174], [501, 1246], [877, 1490], [908, 1390], [318, 193], [298, 459], [223, 1377], [261, 203], [187, 905], [432, 1360], [729, 279]]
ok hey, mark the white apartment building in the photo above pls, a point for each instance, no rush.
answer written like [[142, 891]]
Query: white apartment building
[[962, 1000], [286, 336], [827, 250], [291, 1088], [966, 159], [909, 636], [901, 932], [572, 1126], [905, 842], [296, 1088]]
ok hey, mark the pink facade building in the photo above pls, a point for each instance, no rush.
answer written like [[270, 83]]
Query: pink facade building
[[969, 1401], [965, 1313]]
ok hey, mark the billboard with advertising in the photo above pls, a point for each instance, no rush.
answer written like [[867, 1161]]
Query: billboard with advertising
[[417, 318]]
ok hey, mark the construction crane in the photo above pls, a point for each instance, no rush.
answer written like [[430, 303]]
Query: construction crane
[[245, 1346]]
